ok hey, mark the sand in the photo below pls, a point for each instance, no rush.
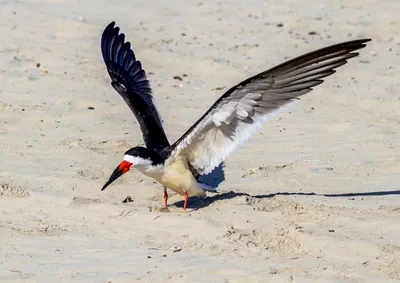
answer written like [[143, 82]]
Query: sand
[[312, 197]]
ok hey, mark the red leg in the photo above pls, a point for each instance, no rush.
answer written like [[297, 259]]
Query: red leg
[[165, 197], [185, 197]]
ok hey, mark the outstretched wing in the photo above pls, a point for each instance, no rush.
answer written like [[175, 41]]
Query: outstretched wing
[[242, 109], [130, 81]]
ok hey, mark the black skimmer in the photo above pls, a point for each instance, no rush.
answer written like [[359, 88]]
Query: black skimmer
[[229, 122]]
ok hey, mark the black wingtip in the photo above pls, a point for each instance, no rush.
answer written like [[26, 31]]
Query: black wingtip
[[362, 41], [108, 31], [114, 48], [111, 25], [121, 61], [349, 45]]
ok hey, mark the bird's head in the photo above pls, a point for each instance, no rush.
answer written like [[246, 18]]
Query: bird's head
[[136, 157]]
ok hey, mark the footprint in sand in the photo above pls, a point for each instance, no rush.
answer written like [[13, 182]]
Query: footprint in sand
[[9, 190], [264, 171], [80, 201]]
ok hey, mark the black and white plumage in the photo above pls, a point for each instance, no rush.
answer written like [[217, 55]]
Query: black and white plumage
[[244, 107], [231, 120]]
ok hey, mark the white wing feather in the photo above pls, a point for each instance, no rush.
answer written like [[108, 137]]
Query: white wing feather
[[221, 132]]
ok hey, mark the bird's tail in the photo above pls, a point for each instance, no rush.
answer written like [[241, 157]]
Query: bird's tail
[[207, 188]]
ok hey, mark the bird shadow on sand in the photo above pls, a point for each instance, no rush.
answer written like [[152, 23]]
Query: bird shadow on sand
[[197, 203], [215, 178]]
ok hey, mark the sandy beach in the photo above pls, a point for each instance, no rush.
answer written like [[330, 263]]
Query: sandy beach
[[314, 196]]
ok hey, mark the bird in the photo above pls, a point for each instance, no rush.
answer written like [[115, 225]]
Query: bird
[[228, 123]]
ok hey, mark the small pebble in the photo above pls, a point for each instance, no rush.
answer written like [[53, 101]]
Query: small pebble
[[127, 199]]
